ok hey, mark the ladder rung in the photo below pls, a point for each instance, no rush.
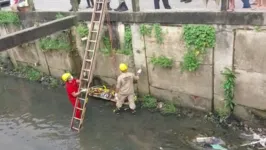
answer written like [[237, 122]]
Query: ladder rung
[[81, 99], [88, 70], [90, 50], [95, 31], [75, 128], [96, 21], [88, 60], [79, 108], [85, 79], [77, 118], [98, 11], [92, 41]]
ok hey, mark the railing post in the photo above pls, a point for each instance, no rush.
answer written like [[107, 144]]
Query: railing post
[[135, 5], [224, 5]]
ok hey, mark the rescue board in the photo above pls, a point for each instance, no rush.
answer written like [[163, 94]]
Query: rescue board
[[102, 92]]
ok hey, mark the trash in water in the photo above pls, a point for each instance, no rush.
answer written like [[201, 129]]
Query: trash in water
[[255, 140], [210, 142]]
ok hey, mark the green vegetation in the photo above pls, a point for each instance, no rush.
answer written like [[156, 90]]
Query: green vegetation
[[168, 108], [223, 113], [82, 30], [198, 38], [7, 18], [60, 42], [127, 50], [29, 73], [107, 46], [149, 102], [158, 33], [59, 16], [145, 30], [229, 86], [162, 61], [54, 83]]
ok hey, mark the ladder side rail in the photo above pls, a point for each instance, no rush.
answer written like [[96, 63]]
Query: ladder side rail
[[81, 74], [102, 18], [96, 46]]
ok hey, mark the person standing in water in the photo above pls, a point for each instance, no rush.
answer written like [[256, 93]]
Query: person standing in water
[[72, 86], [125, 88]]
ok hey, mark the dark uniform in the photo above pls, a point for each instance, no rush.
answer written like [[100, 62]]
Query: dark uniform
[[165, 3]]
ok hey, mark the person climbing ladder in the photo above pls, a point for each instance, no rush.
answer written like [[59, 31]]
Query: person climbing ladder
[[72, 86]]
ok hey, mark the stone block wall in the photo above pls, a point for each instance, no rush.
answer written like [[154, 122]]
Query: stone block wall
[[241, 48]]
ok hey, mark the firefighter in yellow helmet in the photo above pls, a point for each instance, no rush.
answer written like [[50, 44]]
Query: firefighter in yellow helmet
[[125, 88], [72, 86]]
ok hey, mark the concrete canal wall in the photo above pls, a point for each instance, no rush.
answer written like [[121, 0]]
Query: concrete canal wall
[[239, 46]]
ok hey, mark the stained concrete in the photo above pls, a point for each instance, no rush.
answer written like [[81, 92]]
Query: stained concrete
[[223, 57], [27, 35], [165, 17]]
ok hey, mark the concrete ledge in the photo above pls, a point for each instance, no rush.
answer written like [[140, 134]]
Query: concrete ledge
[[33, 33], [229, 18]]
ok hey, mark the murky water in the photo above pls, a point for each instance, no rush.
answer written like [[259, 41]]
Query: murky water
[[33, 117]]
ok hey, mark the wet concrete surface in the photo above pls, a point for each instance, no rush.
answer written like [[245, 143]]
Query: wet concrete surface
[[33, 117]]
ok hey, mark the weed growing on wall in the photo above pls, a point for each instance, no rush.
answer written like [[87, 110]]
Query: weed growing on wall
[[198, 38], [82, 30], [60, 42], [128, 42], [229, 86], [158, 33], [149, 102], [145, 30], [162, 61], [59, 16], [168, 108], [7, 18], [107, 46]]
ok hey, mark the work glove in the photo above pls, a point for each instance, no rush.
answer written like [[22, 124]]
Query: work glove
[[83, 90], [139, 71]]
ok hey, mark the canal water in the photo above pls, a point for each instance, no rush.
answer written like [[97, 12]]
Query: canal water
[[33, 117]]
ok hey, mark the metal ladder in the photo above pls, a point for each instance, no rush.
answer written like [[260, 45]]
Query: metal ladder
[[86, 74]]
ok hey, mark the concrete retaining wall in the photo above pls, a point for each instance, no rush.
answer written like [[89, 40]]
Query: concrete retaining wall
[[240, 48]]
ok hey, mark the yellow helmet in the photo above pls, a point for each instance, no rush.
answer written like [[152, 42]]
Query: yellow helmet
[[65, 76], [123, 67]]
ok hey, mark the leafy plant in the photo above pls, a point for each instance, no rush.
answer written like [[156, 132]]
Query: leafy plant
[[149, 102], [29, 73], [158, 33], [229, 86], [82, 30], [7, 18], [145, 30], [168, 108], [198, 38], [54, 82], [128, 39], [162, 61], [191, 61], [59, 16], [60, 42], [107, 46]]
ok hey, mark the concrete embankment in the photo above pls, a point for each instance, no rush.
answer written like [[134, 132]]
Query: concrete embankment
[[230, 40]]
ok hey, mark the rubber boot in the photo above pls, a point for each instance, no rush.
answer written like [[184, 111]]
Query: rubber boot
[[122, 7]]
